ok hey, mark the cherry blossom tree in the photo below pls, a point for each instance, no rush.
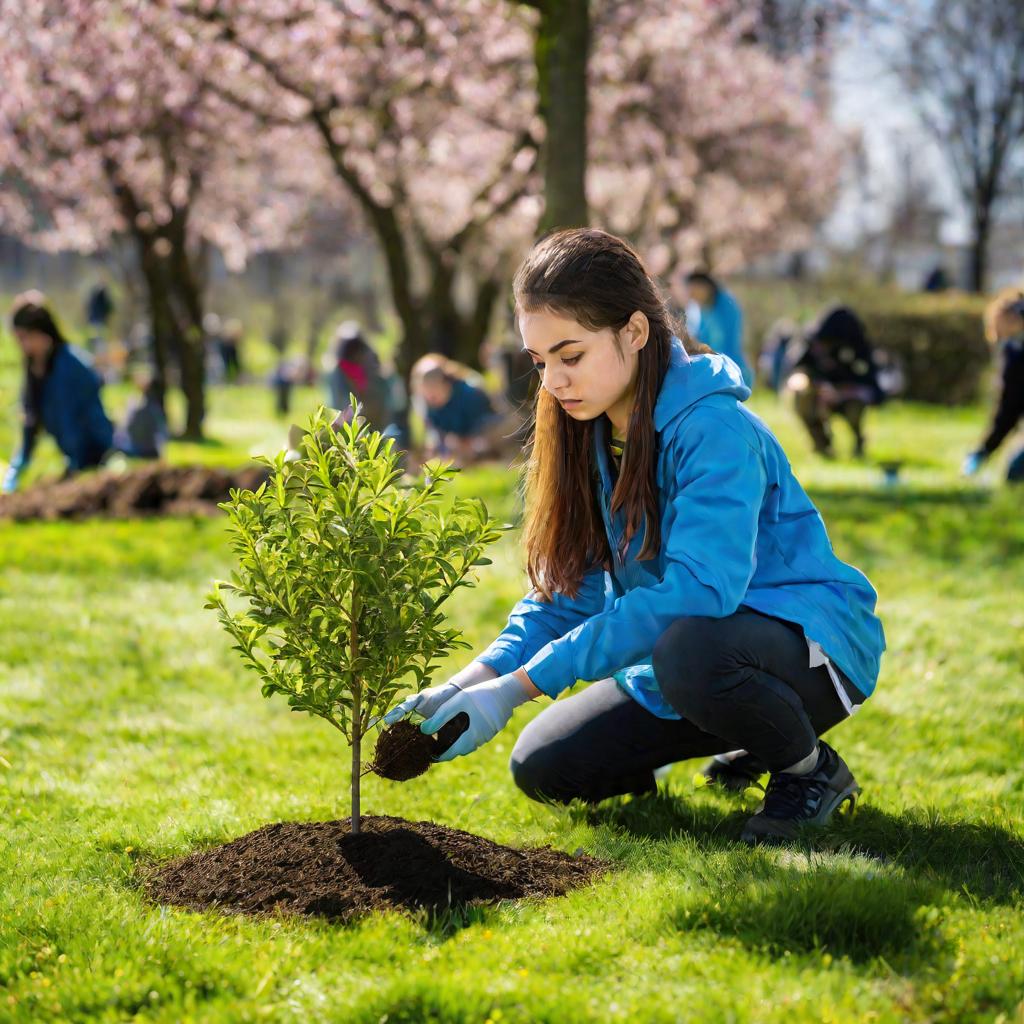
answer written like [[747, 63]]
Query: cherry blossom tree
[[703, 143], [705, 147], [168, 115], [103, 133], [426, 111]]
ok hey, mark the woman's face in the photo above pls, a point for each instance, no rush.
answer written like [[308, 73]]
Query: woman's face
[[1008, 325], [588, 372], [436, 392], [34, 344], [702, 293]]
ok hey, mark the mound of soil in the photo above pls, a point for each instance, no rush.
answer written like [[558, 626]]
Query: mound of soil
[[403, 752], [155, 489], [320, 869]]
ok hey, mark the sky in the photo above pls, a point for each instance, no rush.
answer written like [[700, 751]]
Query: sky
[[868, 99]]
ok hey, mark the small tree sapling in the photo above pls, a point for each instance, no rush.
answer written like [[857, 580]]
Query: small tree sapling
[[342, 572]]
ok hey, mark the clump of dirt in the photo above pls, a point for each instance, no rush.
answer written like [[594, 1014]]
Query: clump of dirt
[[403, 752], [155, 489], [320, 869]]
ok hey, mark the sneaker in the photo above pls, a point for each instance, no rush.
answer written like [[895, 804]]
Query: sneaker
[[736, 774], [793, 802]]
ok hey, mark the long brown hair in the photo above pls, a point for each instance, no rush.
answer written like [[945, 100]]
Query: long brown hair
[[597, 280], [30, 311]]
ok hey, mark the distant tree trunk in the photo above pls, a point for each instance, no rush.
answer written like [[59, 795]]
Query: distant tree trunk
[[175, 300], [561, 51], [981, 228], [163, 341], [186, 286]]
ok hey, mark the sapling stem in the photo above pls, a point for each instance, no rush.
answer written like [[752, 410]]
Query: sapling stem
[[357, 710]]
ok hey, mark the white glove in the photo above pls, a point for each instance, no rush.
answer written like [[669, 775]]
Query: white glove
[[426, 702], [489, 706]]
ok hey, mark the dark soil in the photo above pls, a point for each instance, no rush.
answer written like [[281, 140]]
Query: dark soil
[[156, 489], [403, 752], [320, 869]]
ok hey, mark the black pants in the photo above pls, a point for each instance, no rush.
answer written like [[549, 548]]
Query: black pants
[[741, 682]]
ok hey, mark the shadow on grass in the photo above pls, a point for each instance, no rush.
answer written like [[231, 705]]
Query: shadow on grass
[[979, 860], [946, 526], [829, 908]]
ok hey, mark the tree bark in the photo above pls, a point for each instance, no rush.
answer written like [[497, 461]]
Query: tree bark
[[980, 231], [161, 321], [561, 51]]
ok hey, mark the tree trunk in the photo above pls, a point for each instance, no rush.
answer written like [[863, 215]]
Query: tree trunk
[[561, 51], [161, 321], [185, 272], [980, 230]]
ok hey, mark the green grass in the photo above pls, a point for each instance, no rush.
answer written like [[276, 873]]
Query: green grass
[[130, 734]]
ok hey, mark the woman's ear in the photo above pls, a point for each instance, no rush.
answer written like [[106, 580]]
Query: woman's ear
[[637, 331]]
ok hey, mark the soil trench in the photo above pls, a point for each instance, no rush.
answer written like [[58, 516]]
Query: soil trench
[[321, 869]]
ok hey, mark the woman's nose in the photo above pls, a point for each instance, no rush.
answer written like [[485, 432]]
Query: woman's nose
[[555, 379]]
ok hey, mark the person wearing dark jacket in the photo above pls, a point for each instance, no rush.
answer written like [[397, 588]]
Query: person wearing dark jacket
[[1005, 327], [354, 368], [835, 373], [61, 393], [143, 434]]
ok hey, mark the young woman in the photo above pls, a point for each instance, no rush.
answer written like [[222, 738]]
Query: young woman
[[1004, 326], [61, 393], [674, 558]]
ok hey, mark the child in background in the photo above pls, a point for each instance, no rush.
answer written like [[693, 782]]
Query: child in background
[[1004, 326], [836, 374], [354, 368], [143, 434], [720, 326], [462, 421]]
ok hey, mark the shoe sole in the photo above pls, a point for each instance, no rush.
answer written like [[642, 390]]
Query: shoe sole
[[848, 794]]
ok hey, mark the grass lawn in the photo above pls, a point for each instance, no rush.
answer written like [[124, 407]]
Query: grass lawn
[[130, 733]]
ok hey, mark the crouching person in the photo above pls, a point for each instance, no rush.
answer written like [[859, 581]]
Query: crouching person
[[61, 393], [674, 558]]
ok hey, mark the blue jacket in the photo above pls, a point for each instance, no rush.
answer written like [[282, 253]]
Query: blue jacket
[[466, 412], [71, 412], [721, 327], [737, 530]]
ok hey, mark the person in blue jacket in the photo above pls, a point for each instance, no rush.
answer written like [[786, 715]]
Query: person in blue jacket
[[721, 320], [674, 558], [461, 419], [61, 393]]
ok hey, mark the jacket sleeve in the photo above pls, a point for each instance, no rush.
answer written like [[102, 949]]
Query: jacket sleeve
[[1011, 403], [22, 457], [709, 533], [534, 623]]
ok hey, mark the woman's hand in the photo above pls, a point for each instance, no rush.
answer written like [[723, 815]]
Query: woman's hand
[[489, 706], [427, 702], [972, 463]]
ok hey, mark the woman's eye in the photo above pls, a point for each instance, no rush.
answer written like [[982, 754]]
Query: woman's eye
[[572, 360], [539, 367]]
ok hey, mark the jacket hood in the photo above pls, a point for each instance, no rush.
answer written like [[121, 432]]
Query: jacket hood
[[690, 379]]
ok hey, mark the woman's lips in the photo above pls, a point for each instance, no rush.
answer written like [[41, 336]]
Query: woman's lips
[[569, 402]]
